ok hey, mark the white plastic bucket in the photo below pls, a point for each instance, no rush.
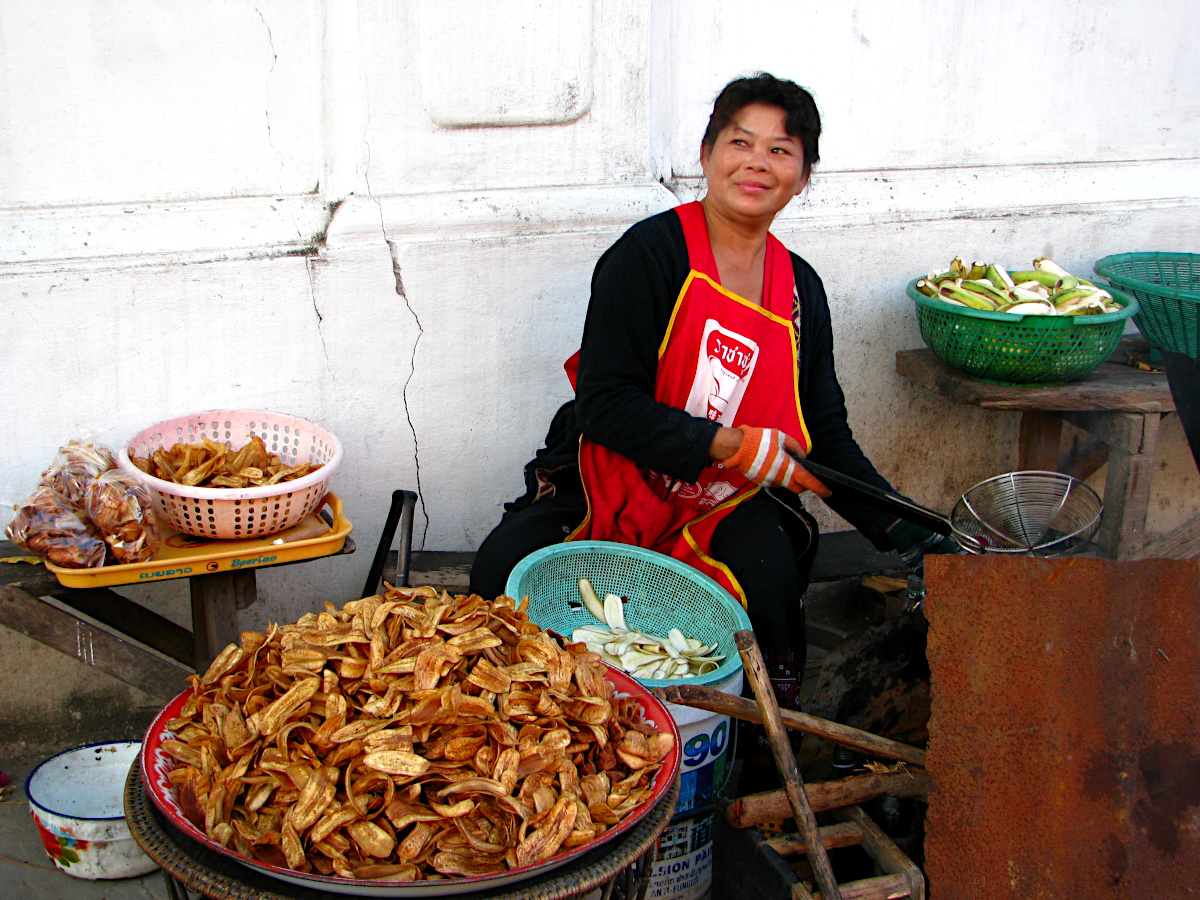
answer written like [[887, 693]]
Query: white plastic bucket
[[706, 739], [75, 799], [684, 867]]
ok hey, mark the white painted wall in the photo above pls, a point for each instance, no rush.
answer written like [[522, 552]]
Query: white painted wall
[[168, 171], [150, 102]]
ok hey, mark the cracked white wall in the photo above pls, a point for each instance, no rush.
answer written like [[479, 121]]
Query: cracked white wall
[[167, 175]]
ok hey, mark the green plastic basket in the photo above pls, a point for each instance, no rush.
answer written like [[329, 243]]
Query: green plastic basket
[[662, 593], [1167, 288], [1009, 349]]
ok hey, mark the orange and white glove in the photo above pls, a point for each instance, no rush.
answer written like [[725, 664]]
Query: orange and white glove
[[763, 458]]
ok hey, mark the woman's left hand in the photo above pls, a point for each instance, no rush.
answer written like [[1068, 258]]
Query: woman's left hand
[[913, 543]]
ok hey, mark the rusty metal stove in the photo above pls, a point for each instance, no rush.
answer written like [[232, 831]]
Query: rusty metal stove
[[1064, 728]]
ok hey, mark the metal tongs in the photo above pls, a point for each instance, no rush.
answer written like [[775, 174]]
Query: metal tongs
[[1043, 513], [868, 493]]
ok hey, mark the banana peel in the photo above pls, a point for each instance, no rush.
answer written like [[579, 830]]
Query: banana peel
[[967, 297], [637, 654], [1045, 289]]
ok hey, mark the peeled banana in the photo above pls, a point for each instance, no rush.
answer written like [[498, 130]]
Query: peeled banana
[[637, 654], [1045, 290]]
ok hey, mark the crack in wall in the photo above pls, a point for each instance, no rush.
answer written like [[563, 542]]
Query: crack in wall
[[312, 294], [412, 369], [317, 240], [267, 110], [318, 244]]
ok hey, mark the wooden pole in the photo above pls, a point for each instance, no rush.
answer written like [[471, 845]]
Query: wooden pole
[[754, 809], [698, 696], [756, 672]]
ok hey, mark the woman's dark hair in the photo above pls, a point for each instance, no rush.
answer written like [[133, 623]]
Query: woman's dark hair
[[800, 110]]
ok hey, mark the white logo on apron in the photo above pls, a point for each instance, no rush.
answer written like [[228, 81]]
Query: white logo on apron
[[724, 366]]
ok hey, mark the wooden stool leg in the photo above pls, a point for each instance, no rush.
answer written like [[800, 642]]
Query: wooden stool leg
[[216, 600], [1039, 439], [1133, 444], [902, 877], [756, 672]]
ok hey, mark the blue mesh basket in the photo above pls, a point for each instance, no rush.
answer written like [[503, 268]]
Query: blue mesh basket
[[662, 593]]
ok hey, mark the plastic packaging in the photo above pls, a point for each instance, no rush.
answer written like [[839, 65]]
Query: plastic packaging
[[76, 464], [120, 507], [49, 525]]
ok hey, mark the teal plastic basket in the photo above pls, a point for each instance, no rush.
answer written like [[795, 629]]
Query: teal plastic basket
[[1167, 287], [661, 593]]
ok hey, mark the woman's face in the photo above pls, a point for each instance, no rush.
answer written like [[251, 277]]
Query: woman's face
[[755, 167]]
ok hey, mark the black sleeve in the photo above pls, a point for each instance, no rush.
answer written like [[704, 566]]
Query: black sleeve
[[824, 406], [634, 290]]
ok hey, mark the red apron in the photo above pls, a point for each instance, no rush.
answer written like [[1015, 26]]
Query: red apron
[[724, 359]]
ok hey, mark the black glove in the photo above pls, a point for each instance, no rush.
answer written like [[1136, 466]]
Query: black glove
[[912, 542]]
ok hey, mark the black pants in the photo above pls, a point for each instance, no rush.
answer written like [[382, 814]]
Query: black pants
[[768, 543]]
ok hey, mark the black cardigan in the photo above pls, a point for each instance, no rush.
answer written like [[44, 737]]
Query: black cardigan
[[634, 289]]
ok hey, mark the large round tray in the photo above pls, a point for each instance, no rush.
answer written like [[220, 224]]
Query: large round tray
[[155, 765], [629, 859]]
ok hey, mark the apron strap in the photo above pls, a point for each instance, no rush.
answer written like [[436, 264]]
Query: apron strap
[[695, 233], [779, 279]]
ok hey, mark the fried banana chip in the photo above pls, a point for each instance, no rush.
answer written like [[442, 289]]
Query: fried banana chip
[[545, 841], [371, 838], [212, 464], [467, 864], [397, 762], [315, 797]]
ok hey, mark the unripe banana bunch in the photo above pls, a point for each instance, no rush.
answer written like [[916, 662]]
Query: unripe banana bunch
[[1045, 290], [637, 654]]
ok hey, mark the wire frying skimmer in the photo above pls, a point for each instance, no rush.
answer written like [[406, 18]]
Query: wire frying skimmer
[[1032, 512]]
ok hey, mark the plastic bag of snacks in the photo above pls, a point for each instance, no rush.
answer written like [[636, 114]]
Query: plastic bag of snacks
[[75, 464], [49, 525], [119, 506]]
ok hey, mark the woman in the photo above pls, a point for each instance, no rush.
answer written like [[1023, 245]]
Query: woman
[[706, 362]]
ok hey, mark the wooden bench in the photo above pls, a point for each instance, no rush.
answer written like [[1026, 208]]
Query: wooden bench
[[125, 639], [1119, 406]]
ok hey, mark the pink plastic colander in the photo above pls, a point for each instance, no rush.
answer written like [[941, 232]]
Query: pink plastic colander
[[232, 513]]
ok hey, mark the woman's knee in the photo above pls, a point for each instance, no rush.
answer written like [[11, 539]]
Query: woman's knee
[[520, 533], [759, 535]]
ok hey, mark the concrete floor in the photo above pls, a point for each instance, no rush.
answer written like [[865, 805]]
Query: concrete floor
[[26, 872]]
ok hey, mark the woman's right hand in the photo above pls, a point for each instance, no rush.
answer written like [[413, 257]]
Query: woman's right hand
[[765, 456]]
